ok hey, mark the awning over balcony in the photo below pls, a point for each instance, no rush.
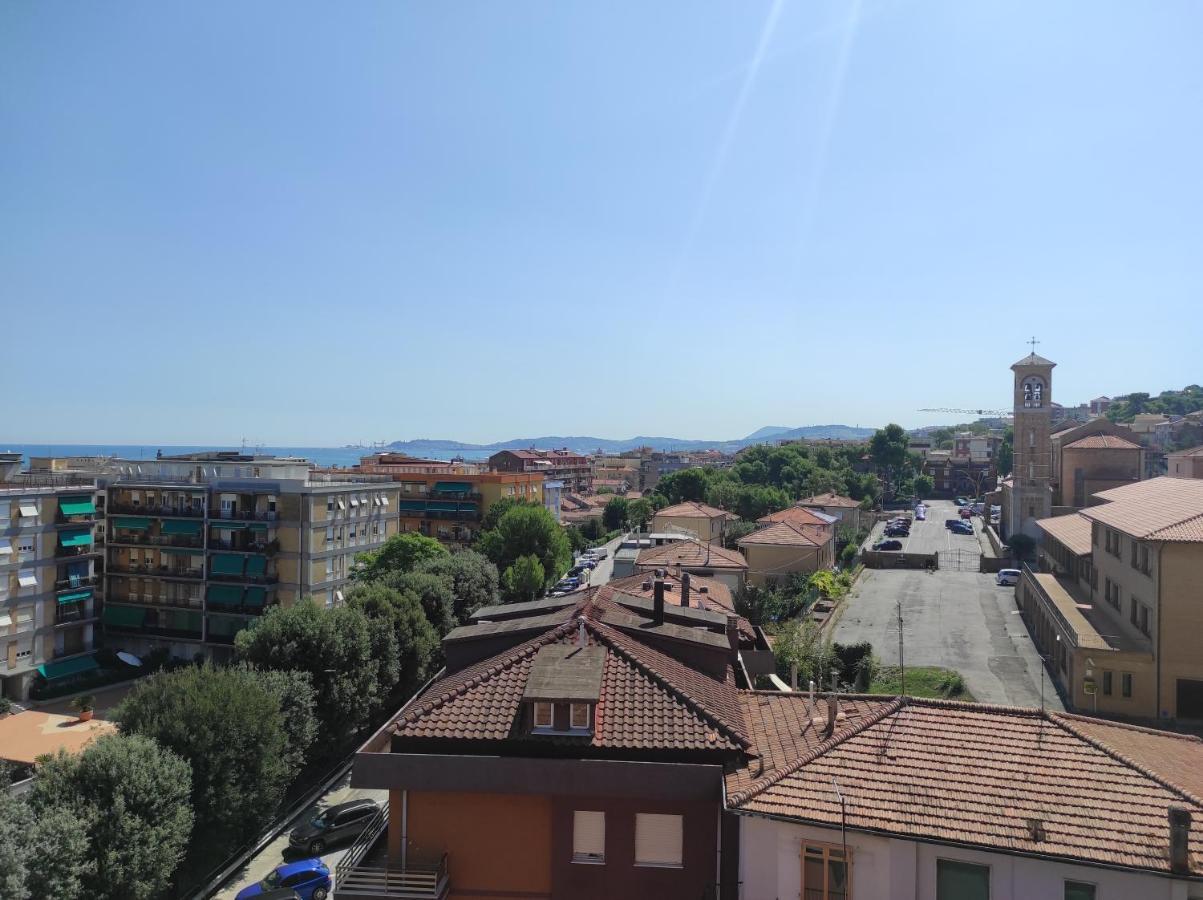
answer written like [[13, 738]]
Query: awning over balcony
[[52, 670], [458, 487], [180, 526], [126, 616], [184, 620], [225, 595], [442, 506], [76, 537], [256, 565], [230, 526], [412, 505], [255, 597], [131, 523], [75, 596], [76, 506], [227, 564], [182, 551], [257, 526]]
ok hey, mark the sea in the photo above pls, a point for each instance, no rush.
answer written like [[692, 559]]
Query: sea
[[322, 456]]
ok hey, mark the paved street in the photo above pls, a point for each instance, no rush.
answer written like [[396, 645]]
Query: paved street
[[605, 568]]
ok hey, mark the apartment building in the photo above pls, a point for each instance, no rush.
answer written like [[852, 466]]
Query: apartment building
[[1118, 610], [573, 469], [201, 544], [795, 540], [50, 584], [700, 520], [1185, 463]]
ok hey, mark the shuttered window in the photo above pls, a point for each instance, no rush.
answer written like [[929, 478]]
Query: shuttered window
[[657, 840], [588, 836]]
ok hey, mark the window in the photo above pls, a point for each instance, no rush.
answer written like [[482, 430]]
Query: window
[[1143, 624], [1106, 683], [1132, 605], [1144, 559], [4, 509], [825, 873], [329, 504], [1135, 554], [580, 715], [658, 840], [961, 881], [1079, 890], [26, 543], [543, 715], [588, 837], [1126, 683], [24, 618], [28, 510], [27, 578], [330, 534], [342, 503]]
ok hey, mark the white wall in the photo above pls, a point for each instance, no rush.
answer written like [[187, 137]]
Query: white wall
[[898, 869]]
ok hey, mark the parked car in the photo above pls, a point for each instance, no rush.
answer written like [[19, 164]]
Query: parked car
[[1007, 576], [888, 545], [308, 878], [948, 523], [333, 824], [961, 501], [920, 513], [961, 528], [599, 552], [966, 512], [897, 532]]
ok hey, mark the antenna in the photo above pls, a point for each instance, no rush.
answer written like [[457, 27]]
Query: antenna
[[843, 819], [901, 661]]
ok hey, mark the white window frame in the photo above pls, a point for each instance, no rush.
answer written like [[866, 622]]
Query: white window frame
[[27, 578], [589, 837], [586, 719], [330, 503], [342, 503], [542, 707], [659, 840]]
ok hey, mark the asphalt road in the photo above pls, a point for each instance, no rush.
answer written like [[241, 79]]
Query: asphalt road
[[930, 535], [605, 568]]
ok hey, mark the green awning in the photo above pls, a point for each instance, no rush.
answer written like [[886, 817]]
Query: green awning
[[225, 595], [226, 625], [76, 506], [75, 537], [126, 616], [180, 526], [68, 667], [442, 506], [257, 526], [256, 565], [415, 505], [75, 596], [229, 526], [226, 564], [182, 551], [459, 487], [467, 507], [255, 597], [184, 620], [132, 523]]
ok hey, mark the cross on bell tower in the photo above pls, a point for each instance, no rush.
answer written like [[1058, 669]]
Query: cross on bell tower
[[1033, 342]]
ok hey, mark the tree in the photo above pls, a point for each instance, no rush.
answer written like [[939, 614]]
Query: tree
[[434, 596], [801, 644], [400, 554], [639, 512], [924, 485], [1006, 452], [735, 531], [524, 579], [528, 531], [230, 729], [297, 702], [132, 798], [498, 509], [352, 659], [889, 449], [685, 484], [474, 580], [614, 516], [416, 640], [42, 854], [1021, 545]]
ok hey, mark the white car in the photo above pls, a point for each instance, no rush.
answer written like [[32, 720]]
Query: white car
[[1007, 577]]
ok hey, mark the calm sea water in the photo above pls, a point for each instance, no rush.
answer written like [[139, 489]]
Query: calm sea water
[[323, 456]]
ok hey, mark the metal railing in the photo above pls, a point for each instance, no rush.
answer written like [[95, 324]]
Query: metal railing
[[241, 515], [61, 552], [265, 579], [139, 539], [143, 509], [421, 881], [74, 582], [160, 571]]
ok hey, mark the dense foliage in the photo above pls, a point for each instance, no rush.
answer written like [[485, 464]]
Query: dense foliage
[[474, 580], [44, 852], [400, 553], [526, 530], [415, 638], [1178, 403]]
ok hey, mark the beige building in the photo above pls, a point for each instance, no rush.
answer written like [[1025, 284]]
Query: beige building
[[697, 558], [844, 509], [706, 523], [783, 549], [1185, 463], [1093, 457], [1122, 596]]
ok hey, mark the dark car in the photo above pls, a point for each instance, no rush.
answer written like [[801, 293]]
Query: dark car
[[948, 523], [345, 820], [279, 894], [961, 528], [888, 545], [309, 878], [898, 532]]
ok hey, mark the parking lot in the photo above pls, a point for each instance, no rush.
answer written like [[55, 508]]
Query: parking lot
[[930, 536]]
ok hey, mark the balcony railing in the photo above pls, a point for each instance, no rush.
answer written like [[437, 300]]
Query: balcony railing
[[239, 546], [72, 614], [62, 552], [243, 515], [153, 631], [159, 571], [142, 539], [74, 582], [156, 510], [265, 578], [358, 877], [82, 519], [156, 601]]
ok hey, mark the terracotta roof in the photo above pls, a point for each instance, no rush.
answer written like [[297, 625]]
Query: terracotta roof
[[830, 499], [717, 597], [691, 509], [691, 554], [979, 775], [648, 700], [1073, 531], [1160, 509], [1033, 359], [1102, 442], [784, 534], [797, 515], [27, 735], [1193, 451]]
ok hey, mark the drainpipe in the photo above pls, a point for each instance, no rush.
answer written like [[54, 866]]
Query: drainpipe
[[1157, 650], [404, 827]]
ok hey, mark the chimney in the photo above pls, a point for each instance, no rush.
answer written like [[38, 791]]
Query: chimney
[[581, 639], [1179, 839], [685, 589], [658, 602], [833, 710], [733, 632]]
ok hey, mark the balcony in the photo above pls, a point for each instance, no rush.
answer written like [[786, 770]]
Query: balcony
[[191, 574], [242, 515], [142, 539], [158, 511], [364, 872], [89, 549], [155, 600], [73, 614], [245, 578], [240, 546], [72, 582]]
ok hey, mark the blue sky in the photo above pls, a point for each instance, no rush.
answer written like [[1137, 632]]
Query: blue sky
[[314, 223]]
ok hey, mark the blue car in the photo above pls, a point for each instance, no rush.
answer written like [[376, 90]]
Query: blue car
[[310, 878]]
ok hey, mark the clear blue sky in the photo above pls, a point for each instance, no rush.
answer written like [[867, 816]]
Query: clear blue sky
[[313, 223]]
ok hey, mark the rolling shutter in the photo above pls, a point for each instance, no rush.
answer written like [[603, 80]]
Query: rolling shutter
[[657, 840], [588, 836]]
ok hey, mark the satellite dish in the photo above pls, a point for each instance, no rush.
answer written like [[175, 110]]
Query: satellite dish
[[129, 659]]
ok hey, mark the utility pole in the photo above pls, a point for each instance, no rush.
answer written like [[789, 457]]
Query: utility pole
[[901, 661]]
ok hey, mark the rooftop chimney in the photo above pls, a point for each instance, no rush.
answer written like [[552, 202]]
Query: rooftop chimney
[[685, 589], [733, 632], [581, 639], [833, 710], [658, 602], [1179, 839]]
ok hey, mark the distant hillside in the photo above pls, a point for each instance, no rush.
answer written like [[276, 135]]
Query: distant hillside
[[1170, 403], [588, 444]]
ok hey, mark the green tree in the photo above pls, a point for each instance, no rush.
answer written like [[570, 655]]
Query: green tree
[[498, 509], [352, 659], [230, 729], [524, 579], [434, 595], [889, 450], [416, 639], [801, 643], [1021, 545], [639, 512], [686, 484], [528, 531], [297, 702], [614, 516], [1006, 452], [131, 797], [473, 578], [43, 853], [924, 485], [735, 531], [400, 554]]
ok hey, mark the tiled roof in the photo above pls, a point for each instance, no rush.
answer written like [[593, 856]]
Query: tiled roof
[[1073, 531], [797, 515], [1033, 359], [649, 701], [783, 534], [830, 499], [691, 509], [691, 554], [1181, 454], [978, 775], [1102, 442], [1160, 509], [717, 597]]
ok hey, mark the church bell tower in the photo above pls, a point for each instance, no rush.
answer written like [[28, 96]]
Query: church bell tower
[[1032, 473]]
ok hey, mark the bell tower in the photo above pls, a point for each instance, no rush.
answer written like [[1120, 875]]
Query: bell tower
[[1032, 473]]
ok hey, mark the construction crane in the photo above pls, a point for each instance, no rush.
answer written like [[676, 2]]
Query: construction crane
[[980, 412]]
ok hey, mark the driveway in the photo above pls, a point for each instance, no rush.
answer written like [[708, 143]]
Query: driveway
[[958, 620], [605, 568]]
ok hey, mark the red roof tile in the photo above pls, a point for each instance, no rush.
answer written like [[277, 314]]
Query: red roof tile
[[830, 499], [1102, 442], [794, 515], [691, 509], [691, 554]]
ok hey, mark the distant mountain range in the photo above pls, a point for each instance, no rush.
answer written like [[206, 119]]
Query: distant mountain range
[[586, 444]]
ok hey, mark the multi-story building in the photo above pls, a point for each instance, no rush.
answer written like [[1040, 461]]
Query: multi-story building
[[50, 585], [573, 469], [1118, 611], [1185, 463], [1090, 458], [199, 545], [702, 521]]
